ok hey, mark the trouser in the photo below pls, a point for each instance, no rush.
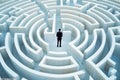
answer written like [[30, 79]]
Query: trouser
[[58, 42]]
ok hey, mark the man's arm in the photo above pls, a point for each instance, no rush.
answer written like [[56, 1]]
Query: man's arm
[[62, 34], [57, 34]]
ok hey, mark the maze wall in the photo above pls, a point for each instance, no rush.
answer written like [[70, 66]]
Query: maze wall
[[90, 44]]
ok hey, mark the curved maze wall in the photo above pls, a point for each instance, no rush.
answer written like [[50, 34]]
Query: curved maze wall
[[90, 45]]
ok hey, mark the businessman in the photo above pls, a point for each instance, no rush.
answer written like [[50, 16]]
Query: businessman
[[59, 35]]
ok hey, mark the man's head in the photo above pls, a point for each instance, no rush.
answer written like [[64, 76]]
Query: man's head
[[59, 29]]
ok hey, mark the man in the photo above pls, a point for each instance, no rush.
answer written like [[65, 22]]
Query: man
[[59, 37]]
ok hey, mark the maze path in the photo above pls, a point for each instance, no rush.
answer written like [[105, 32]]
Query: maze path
[[90, 44]]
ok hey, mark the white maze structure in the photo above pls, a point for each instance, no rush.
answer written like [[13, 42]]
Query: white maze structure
[[90, 44]]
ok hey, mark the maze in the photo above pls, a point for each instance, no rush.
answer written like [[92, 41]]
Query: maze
[[90, 44]]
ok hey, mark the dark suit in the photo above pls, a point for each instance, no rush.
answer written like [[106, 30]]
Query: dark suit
[[59, 38]]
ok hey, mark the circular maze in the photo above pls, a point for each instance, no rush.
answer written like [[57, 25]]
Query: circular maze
[[90, 44]]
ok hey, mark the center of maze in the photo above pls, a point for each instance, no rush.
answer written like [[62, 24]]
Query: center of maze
[[90, 44]]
